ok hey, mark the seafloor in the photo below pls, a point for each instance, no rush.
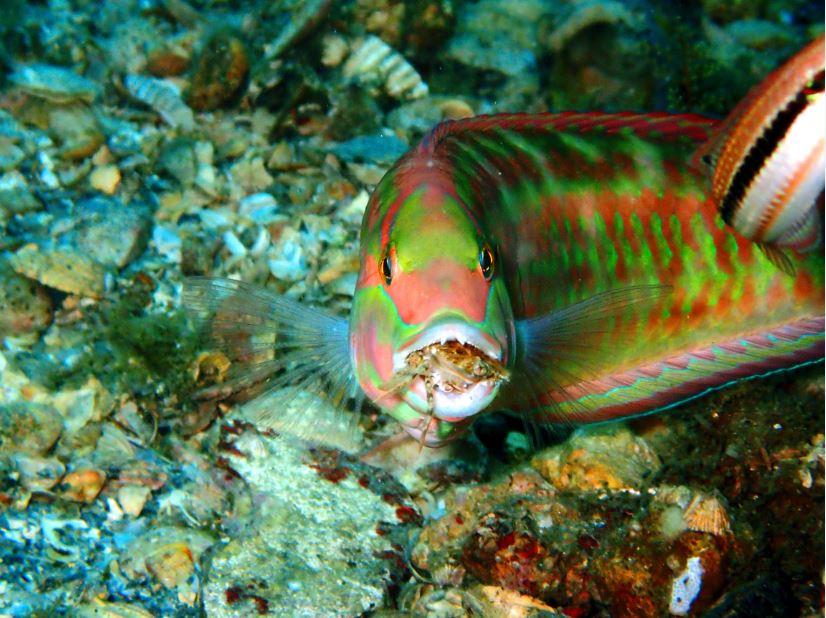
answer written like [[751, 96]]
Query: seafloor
[[143, 141]]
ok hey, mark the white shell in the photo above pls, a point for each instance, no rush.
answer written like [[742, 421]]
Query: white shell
[[374, 62], [163, 97]]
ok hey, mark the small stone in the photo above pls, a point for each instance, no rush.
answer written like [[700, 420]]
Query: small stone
[[39, 473], [132, 499], [25, 307], [11, 155], [83, 485], [110, 232], [76, 129], [105, 179]]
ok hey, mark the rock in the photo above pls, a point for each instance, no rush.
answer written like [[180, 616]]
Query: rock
[[219, 73], [311, 548], [25, 307], [109, 231], [28, 428], [76, 129], [63, 269], [82, 485], [760, 34], [605, 457], [373, 148]]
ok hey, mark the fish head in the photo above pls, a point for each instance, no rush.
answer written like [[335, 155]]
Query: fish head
[[431, 330]]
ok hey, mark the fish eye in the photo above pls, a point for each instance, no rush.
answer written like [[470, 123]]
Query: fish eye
[[386, 270], [486, 262]]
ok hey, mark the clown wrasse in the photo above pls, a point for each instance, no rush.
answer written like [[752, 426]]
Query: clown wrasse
[[571, 267]]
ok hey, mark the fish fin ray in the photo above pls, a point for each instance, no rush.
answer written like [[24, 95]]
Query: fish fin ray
[[778, 257], [289, 363]]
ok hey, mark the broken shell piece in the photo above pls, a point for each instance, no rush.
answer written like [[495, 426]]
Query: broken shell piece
[[700, 512], [169, 554], [163, 97], [104, 609], [132, 499], [707, 514], [53, 83], [210, 368], [374, 62]]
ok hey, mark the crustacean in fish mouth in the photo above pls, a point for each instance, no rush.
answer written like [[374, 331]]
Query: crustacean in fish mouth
[[449, 367]]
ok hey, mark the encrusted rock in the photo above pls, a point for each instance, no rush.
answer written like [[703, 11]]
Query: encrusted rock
[[29, 428], [600, 458], [311, 548], [25, 307]]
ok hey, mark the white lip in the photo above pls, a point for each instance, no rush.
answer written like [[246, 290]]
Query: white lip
[[442, 333], [451, 406]]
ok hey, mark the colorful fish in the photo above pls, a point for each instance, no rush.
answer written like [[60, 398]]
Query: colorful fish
[[570, 267], [768, 157]]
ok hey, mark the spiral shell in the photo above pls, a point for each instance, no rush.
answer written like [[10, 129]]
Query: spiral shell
[[163, 97], [374, 62]]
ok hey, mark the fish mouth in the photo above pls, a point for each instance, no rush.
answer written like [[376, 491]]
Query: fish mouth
[[437, 385]]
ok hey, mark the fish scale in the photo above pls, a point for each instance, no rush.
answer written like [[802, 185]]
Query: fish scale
[[592, 202]]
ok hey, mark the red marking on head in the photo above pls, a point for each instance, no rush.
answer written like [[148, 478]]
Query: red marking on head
[[443, 286]]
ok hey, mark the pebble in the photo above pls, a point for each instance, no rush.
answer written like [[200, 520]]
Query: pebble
[[67, 270], [25, 307], [10, 155], [109, 231], [83, 484], [38, 473], [105, 179]]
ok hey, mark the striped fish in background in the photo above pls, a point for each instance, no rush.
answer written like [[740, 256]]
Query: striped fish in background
[[579, 252], [767, 160]]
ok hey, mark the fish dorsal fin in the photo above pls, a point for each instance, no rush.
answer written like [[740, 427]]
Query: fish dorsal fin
[[664, 125], [780, 258], [288, 362]]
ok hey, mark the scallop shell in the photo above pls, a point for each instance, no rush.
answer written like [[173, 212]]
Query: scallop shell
[[163, 97], [374, 62], [706, 514]]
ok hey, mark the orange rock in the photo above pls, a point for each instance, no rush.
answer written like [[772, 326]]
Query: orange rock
[[83, 485], [165, 63]]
